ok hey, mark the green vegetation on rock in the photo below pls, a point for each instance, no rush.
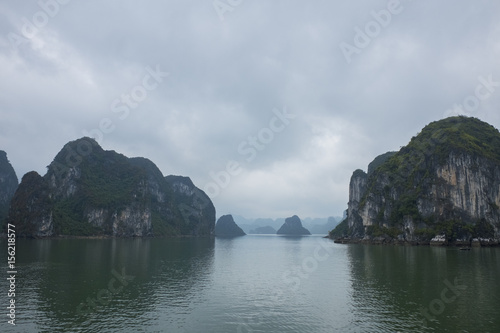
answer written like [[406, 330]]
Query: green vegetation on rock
[[341, 230], [88, 191], [445, 181]]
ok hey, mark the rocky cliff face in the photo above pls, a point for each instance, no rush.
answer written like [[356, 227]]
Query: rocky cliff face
[[357, 188], [444, 184], [196, 208], [226, 227], [293, 226], [88, 191], [8, 185]]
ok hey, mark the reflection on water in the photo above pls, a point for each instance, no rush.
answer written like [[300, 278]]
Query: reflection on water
[[250, 284], [425, 289], [58, 276]]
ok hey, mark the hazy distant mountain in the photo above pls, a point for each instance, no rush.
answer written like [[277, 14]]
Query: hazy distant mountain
[[242, 220], [262, 222], [320, 224], [330, 224], [267, 230], [308, 222], [244, 223]]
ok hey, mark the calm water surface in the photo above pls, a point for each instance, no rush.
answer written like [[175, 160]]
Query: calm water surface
[[249, 284]]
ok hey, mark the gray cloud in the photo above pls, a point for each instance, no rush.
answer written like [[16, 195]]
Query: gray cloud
[[226, 78]]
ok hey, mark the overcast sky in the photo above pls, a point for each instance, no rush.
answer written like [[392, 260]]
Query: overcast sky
[[279, 100]]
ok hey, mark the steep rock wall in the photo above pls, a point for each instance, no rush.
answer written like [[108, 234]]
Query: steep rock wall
[[8, 185], [440, 186]]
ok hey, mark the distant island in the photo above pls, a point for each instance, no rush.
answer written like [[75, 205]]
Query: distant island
[[293, 227], [443, 188], [226, 227], [88, 191]]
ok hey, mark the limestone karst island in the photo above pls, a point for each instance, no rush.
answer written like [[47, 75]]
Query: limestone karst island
[[443, 188], [88, 191]]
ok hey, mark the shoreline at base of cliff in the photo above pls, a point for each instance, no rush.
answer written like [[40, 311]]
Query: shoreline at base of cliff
[[110, 237], [486, 242]]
